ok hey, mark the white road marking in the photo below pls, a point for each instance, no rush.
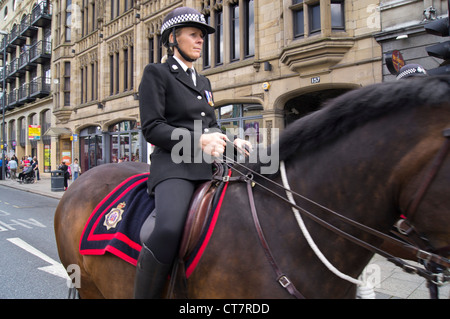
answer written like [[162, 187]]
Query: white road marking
[[55, 269]]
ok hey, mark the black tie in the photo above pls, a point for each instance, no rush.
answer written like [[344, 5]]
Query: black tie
[[189, 72]]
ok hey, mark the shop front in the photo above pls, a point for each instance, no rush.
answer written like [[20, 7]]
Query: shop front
[[121, 142]]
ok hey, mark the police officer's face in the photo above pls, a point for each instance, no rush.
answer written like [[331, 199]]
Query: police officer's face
[[190, 41]]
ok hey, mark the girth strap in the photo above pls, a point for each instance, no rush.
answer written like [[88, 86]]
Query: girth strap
[[282, 279]]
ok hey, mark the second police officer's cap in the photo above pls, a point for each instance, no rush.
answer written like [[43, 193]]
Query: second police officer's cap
[[411, 70]]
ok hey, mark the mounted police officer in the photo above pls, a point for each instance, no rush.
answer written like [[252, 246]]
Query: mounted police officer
[[174, 99]]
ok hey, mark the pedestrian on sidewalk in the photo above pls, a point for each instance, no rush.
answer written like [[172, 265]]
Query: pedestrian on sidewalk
[[35, 166], [13, 167], [65, 169], [76, 169]]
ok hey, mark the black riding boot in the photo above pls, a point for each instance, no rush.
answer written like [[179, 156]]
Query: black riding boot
[[151, 276]]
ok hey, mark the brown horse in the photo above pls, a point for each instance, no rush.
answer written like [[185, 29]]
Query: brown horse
[[363, 155]]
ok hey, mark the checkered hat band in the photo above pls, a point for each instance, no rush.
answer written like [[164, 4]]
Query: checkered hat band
[[411, 71], [189, 17]]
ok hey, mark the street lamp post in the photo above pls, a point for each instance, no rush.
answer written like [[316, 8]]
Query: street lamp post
[[4, 33]]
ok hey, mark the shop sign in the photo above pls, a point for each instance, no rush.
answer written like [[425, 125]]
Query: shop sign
[[34, 132]]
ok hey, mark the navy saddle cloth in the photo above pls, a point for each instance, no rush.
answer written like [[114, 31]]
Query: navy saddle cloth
[[114, 225]]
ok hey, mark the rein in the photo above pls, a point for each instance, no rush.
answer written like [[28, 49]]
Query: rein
[[421, 252]]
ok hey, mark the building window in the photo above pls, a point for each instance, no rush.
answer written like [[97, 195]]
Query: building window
[[234, 30], [154, 49], [298, 18], [111, 74], [241, 120], [86, 77], [12, 135], [128, 54], [117, 73], [207, 50], [307, 16], [125, 69], [94, 16], [66, 83], [249, 30], [236, 26], [218, 45], [83, 19], [151, 50], [337, 15], [94, 77], [131, 67], [91, 147], [23, 132], [57, 94], [314, 18], [124, 142], [299, 22], [82, 85], [114, 9], [114, 74], [128, 66], [68, 25], [129, 4]]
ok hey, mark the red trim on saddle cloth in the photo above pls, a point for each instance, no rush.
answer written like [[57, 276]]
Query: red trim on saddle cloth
[[191, 267], [126, 245], [107, 242]]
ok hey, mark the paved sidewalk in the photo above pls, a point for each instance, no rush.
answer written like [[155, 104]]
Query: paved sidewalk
[[394, 282]]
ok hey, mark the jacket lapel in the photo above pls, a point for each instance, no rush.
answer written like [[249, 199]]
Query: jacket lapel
[[182, 76], [202, 83]]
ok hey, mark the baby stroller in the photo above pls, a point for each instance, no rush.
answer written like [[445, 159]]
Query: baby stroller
[[27, 176]]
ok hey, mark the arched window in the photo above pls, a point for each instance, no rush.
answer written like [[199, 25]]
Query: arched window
[[91, 147], [124, 141]]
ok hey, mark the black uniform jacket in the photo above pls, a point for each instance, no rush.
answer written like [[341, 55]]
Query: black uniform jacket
[[169, 101]]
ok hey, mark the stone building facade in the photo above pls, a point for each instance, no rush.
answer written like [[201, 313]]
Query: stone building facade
[[269, 63], [25, 51]]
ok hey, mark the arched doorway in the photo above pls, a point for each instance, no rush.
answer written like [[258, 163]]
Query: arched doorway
[[91, 147], [307, 103], [124, 142]]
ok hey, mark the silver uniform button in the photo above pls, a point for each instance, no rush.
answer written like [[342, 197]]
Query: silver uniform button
[[206, 130], [202, 114], [199, 97]]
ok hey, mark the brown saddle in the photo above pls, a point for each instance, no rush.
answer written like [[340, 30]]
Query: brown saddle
[[199, 210], [196, 222]]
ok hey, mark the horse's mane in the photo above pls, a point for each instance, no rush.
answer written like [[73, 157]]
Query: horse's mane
[[357, 107]]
